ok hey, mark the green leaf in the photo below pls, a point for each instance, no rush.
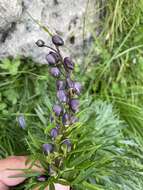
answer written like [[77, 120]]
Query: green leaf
[[51, 186], [91, 186], [10, 66], [11, 95], [63, 182], [40, 114]]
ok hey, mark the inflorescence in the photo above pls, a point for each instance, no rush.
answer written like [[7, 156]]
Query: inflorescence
[[67, 92]]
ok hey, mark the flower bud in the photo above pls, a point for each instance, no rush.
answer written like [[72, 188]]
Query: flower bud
[[60, 84], [66, 119], [68, 63], [77, 88], [55, 55], [74, 105], [51, 119], [55, 72], [57, 110], [68, 144], [57, 40], [42, 178], [21, 122], [62, 96], [40, 43], [48, 148], [54, 133], [51, 59]]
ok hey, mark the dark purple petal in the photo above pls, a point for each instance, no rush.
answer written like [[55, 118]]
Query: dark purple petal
[[21, 122], [40, 43], [54, 133], [42, 178], [66, 119], [48, 148], [60, 84], [74, 105], [51, 59], [57, 40], [57, 110], [68, 143], [68, 63], [62, 96], [77, 88], [55, 72]]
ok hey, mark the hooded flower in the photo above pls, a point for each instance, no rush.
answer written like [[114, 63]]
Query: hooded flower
[[60, 85], [48, 148], [57, 109], [68, 144], [68, 63], [77, 88], [22, 122], [66, 119], [61, 96], [55, 72], [54, 133], [74, 105]]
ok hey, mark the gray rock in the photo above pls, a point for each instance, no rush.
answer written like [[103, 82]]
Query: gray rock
[[10, 11], [19, 32]]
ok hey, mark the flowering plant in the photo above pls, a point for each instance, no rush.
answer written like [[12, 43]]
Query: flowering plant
[[83, 149]]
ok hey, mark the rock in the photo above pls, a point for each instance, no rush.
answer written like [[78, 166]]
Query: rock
[[19, 31], [10, 11]]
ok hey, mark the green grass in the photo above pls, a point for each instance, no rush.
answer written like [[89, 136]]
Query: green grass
[[24, 88], [113, 69], [28, 90]]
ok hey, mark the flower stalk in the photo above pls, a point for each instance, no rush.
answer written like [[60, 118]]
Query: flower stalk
[[65, 107]]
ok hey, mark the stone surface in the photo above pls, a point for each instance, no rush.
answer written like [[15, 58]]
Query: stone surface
[[10, 11], [19, 32]]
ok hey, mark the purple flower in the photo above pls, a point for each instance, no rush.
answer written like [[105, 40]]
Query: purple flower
[[66, 119], [51, 59], [54, 133], [62, 96], [60, 84], [42, 178], [68, 63], [40, 43], [48, 148], [57, 110], [69, 82], [55, 72], [73, 119], [77, 88], [22, 122], [57, 40], [55, 55], [68, 144], [74, 105]]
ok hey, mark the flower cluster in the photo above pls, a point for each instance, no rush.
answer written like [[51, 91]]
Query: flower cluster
[[67, 92]]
